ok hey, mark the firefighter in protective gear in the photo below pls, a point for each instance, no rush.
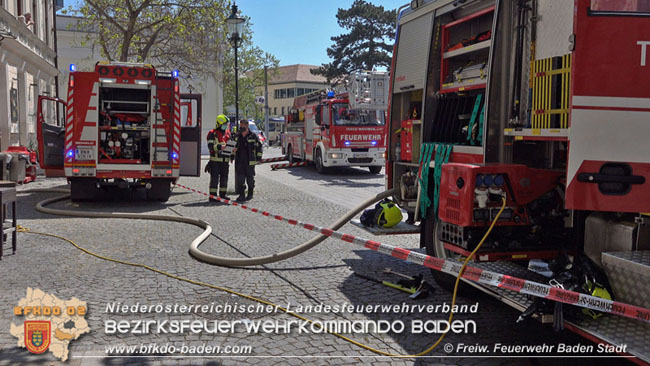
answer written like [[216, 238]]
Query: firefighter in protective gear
[[248, 151], [219, 162]]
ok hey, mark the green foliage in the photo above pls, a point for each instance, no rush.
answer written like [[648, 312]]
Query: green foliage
[[367, 45], [188, 35], [179, 34]]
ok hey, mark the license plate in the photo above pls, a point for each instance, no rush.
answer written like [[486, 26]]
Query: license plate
[[360, 155], [84, 154]]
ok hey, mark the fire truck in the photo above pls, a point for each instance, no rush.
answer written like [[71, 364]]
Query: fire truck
[[344, 128], [545, 104], [123, 125]]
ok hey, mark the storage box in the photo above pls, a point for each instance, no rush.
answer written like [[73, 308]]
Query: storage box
[[629, 275]]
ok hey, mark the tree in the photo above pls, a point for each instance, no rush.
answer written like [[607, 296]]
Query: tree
[[179, 34], [367, 45], [187, 35]]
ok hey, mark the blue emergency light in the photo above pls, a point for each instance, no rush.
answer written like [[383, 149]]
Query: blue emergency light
[[346, 143], [175, 73], [175, 156], [70, 153], [330, 94], [73, 67], [373, 143]]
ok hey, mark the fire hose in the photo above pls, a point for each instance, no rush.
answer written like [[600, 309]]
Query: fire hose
[[481, 276]]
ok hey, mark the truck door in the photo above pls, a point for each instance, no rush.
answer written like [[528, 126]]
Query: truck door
[[190, 154], [50, 133], [609, 153]]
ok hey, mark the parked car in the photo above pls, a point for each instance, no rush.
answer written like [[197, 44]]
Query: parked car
[[253, 128]]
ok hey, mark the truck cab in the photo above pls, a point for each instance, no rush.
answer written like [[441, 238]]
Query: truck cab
[[340, 129]]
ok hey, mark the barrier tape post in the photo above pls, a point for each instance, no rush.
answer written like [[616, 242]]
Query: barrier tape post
[[471, 273], [288, 165]]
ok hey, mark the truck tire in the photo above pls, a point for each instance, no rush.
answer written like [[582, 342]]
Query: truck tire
[[160, 190], [318, 160], [435, 247], [83, 189], [375, 169]]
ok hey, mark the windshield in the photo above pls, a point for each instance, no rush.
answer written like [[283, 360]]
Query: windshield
[[253, 128], [344, 116]]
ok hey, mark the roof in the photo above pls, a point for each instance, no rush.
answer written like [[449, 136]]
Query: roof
[[297, 73]]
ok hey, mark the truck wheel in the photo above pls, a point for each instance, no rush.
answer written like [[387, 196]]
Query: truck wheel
[[160, 190], [375, 169], [435, 247], [83, 189], [318, 160]]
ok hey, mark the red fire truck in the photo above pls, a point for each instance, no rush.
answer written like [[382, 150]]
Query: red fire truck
[[542, 103], [126, 125], [345, 128]]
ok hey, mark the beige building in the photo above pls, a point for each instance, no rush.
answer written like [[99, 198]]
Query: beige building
[[290, 82], [27, 66]]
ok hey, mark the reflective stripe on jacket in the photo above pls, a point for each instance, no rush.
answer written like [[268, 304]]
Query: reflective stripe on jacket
[[216, 139]]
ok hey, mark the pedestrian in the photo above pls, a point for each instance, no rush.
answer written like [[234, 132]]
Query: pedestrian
[[218, 165], [248, 151]]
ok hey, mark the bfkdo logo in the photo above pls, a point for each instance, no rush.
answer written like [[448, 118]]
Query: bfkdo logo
[[49, 323], [37, 335]]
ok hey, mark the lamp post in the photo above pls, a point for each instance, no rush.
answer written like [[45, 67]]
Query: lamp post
[[235, 26]]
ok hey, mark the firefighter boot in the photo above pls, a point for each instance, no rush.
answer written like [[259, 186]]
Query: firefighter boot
[[250, 195]]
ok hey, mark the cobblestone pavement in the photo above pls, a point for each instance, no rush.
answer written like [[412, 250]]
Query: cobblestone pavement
[[321, 275]]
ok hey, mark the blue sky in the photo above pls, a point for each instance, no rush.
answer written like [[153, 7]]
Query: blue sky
[[297, 31]]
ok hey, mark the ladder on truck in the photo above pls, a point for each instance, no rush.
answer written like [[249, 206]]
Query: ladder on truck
[[158, 129], [368, 90]]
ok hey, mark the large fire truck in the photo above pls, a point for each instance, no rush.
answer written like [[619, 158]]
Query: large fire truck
[[545, 104], [123, 125], [344, 128]]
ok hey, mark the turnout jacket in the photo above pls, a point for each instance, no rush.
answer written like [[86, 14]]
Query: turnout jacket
[[254, 147], [216, 139]]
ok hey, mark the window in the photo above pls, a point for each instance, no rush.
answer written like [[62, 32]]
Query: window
[[276, 93], [283, 111], [283, 93], [344, 116], [291, 92], [275, 111], [300, 91], [624, 6]]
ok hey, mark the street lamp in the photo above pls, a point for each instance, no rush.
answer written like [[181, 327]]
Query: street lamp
[[235, 26]]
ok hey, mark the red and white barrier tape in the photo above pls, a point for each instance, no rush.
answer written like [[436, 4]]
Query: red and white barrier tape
[[287, 165], [270, 160], [470, 273]]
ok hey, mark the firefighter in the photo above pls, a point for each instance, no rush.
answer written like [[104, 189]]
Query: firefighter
[[218, 166], [248, 151]]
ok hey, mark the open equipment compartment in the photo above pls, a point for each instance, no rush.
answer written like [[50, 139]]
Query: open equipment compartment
[[124, 124]]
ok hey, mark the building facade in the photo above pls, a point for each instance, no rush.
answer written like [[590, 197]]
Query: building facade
[[27, 66], [291, 81]]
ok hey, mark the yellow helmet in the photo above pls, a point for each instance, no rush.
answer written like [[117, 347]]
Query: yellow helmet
[[388, 214], [221, 119]]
